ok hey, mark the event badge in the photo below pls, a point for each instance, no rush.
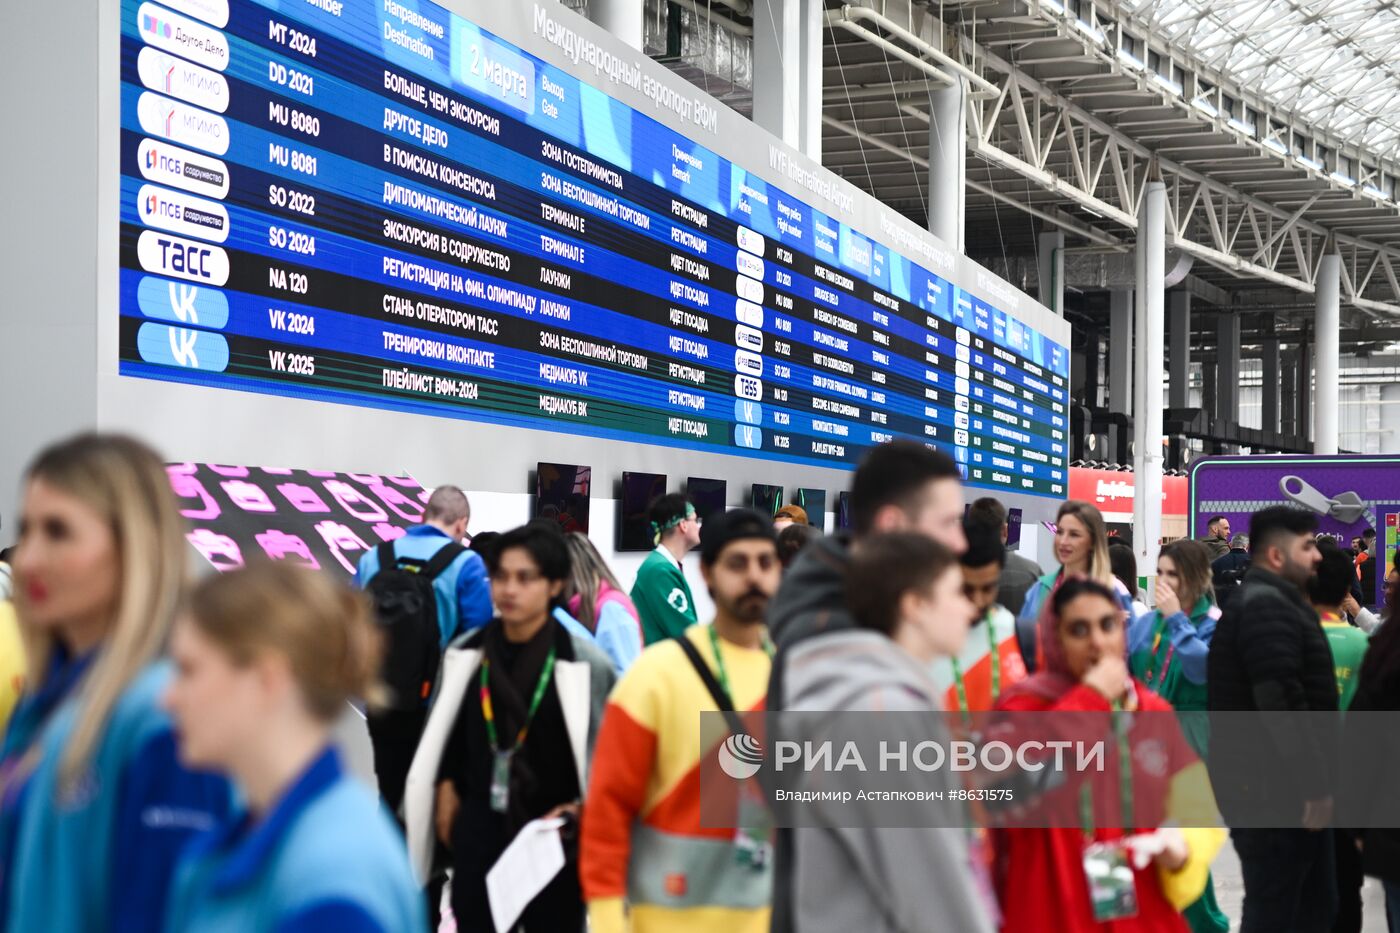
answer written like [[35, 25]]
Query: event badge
[[500, 780], [1112, 884], [751, 845]]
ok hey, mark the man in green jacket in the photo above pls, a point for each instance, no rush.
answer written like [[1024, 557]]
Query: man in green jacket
[[661, 594]]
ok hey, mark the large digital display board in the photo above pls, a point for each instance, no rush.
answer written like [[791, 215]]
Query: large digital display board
[[383, 203]]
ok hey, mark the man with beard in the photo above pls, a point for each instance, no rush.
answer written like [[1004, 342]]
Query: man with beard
[[642, 838], [1270, 656]]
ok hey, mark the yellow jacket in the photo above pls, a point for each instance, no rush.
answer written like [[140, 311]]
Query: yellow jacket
[[12, 664]]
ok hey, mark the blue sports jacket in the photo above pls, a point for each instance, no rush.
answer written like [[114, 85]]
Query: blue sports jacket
[[98, 856], [325, 857]]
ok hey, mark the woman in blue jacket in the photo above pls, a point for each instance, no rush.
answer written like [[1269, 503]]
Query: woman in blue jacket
[[267, 659], [1081, 547], [94, 808]]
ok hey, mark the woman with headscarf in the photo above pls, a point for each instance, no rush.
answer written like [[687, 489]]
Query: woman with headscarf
[[1106, 822]]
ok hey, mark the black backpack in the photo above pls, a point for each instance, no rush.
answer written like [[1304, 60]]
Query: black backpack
[[406, 608]]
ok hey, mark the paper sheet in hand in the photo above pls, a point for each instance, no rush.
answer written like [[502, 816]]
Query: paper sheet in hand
[[529, 863]]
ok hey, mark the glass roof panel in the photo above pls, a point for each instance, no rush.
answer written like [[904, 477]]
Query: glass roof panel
[[1332, 62]]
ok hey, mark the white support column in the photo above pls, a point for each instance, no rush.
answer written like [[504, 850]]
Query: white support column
[[809, 121], [1050, 263], [1227, 354], [622, 18], [947, 164], [1179, 386], [777, 68], [1147, 421], [1328, 354], [1120, 351]]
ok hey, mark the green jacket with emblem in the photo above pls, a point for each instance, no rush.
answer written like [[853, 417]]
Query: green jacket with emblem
[[662, 598]]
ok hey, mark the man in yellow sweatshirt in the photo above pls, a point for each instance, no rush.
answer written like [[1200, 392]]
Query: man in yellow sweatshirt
[[641, 834]]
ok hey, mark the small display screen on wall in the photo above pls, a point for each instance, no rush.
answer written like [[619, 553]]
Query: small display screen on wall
[[766, 499], [813, 502], [561, 494], [707, 495], [639, 491]]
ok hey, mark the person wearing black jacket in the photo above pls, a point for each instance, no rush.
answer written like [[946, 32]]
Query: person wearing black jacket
[[1269, 655]]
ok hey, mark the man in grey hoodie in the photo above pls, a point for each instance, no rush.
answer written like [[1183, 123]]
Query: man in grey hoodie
[[905, 594], [899, 486]]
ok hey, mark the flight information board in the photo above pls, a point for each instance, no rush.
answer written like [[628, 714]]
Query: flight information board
[[382, 203]]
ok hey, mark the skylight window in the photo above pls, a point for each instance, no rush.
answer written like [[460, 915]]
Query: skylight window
[[1332, 64]]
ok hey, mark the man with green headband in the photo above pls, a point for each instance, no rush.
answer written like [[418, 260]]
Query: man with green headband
[[661, 595]]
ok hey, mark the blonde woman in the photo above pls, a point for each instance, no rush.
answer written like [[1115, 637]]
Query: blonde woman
[[597, 602], [1081, 547], [267, 659], [94, 807]]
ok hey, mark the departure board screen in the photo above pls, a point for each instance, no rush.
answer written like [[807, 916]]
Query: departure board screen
[[382, 203]]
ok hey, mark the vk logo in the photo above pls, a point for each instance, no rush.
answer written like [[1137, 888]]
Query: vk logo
[[182, 346], [748, 436], [748, 412], [178, 346], [183, 302], [180, 303]]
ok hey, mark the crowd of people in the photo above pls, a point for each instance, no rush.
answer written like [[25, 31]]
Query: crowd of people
[[169, 760]]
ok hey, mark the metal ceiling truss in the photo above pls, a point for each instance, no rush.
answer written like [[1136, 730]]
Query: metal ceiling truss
[[1056, 144], [1024, 128]]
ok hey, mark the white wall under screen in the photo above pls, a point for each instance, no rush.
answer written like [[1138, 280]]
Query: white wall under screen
[[830, 392]]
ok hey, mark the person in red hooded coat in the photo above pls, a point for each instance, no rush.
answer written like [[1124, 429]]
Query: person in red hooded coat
[[1042, 883]]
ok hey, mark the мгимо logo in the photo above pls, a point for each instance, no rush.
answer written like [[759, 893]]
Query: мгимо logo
[[740, 756]]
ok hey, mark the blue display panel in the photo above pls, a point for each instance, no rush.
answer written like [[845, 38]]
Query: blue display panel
[[380, 203]]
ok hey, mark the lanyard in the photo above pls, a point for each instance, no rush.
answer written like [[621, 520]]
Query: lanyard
[[1158, 630], [719, 661], [1125, 779], [488, 712], [996, 670]]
